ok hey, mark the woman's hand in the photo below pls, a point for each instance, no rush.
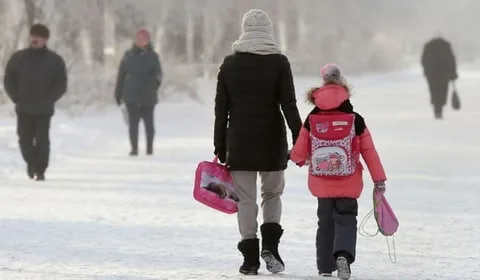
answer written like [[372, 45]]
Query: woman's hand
[[221, 154]]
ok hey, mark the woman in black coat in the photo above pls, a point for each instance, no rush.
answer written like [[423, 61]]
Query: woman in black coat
[[255, 86]]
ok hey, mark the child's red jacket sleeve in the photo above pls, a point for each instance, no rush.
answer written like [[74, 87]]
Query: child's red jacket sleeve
[[371, 158], [301, 150]]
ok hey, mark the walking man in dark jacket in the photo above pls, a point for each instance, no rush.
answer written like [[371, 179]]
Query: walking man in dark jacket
[[35, 78], [440, 69], [138, 81]]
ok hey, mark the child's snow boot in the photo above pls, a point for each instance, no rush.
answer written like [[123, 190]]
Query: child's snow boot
[[250, 250], [343, 268], [271, 234]]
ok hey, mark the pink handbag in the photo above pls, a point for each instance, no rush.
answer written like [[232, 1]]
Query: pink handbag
[[386, 220], [214, 187]]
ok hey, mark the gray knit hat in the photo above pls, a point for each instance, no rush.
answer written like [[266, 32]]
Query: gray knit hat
[[257, 20], [331, 72]]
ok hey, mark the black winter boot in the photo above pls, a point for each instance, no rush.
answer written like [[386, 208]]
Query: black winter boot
[[271, 233], [251, 257], [40, 177], [31, 171]]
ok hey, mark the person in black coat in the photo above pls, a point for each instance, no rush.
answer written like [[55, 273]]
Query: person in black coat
[[440, 69], [139, 78], [255, 86], [35, 79]]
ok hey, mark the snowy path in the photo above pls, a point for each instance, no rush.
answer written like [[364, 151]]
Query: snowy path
[[103, 215]]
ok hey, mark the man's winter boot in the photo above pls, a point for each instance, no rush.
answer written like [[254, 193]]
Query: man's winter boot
[[343, 268], [40, 177], [271, 234], [251, 256], [134, 153]]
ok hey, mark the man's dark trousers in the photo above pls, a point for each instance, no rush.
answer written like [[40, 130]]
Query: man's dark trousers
[[33, 132]]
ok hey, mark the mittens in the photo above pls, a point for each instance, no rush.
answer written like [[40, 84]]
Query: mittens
[[380, 186], [303, 163]]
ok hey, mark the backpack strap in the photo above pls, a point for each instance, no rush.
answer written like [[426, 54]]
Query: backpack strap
[[359, 124]]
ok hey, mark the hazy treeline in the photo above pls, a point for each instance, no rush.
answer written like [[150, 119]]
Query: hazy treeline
[[192, 36]]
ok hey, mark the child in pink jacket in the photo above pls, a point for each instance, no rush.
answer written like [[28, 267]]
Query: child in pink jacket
[[337, 192]]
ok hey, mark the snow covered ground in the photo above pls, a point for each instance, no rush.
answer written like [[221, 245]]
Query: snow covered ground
[[103, 215]]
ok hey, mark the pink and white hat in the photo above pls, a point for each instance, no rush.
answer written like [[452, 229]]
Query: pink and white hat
[[144, 33], [331, 72]]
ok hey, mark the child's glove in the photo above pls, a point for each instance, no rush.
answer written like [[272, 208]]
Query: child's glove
[[380, 186], [300, 164], [304, 163]]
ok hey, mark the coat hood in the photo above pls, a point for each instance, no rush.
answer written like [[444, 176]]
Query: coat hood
[[328, 97]]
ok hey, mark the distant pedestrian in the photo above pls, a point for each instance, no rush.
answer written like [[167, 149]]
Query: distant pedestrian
[[35, 78], [440, 69], [138, 81]]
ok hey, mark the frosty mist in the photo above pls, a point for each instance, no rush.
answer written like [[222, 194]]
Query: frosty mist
[[192, 36]]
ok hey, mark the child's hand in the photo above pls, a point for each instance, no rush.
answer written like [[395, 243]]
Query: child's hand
[[300, 164], [304, 163], [380, 186]]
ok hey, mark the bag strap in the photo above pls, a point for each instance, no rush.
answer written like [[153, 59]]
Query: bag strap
[[392, 252], [362, 229]]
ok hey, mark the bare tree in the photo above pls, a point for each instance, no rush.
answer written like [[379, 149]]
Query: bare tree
[[192, 36]]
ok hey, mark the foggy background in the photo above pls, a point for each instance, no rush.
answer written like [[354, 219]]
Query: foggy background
[[192, 36]]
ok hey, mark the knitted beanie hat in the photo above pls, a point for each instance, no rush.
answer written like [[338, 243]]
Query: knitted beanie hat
[[331, 73], [144, 32], [257, 20]]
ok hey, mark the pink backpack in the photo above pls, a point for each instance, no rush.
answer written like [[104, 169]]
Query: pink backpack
[[214, 187], [335, 146]]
